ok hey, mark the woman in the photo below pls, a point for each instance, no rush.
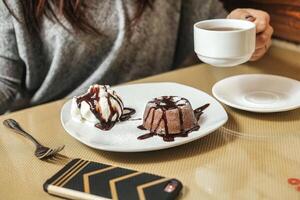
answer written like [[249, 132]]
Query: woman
[[50, 49]]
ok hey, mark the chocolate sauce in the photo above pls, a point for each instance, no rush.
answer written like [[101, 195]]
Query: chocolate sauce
[[166, 138], [145, 136], [199, 111], [128, 114], [105, 126], [141, 127], [166, 103], [135, 119], [181, 120], [92, 98]]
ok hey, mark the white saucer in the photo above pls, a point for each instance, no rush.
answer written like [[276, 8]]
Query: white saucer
[[123, 136], [259, 93]]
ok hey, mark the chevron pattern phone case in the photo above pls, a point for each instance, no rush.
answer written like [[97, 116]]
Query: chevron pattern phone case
[[81, 179]]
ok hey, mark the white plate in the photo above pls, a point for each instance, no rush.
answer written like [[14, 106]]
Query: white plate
[[259, 93], [123, 136]]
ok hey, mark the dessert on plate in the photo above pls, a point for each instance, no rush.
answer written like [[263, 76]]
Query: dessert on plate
[[101, 106], [169, 117]]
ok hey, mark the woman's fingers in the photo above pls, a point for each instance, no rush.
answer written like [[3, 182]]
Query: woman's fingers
[[240, 14], [262, 19], [263, 38], [260, 52], [259, 17], [264, 30]]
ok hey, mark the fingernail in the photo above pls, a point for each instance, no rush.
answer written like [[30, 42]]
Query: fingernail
[[250, 18]]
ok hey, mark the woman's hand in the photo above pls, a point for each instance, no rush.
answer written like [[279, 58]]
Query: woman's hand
[[263, 28]]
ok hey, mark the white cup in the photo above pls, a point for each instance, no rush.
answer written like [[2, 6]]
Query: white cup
[[224, 48]]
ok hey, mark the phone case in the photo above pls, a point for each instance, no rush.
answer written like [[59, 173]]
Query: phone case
[[86, 180]]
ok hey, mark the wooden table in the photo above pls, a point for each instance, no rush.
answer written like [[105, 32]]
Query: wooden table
[[253, 163]]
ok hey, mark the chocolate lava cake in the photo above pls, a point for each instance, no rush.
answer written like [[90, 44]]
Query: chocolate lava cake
[[168, 115]]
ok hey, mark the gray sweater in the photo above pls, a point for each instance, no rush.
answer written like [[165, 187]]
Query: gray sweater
[[57, 64]]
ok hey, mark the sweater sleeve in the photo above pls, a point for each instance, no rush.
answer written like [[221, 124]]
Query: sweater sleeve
[[193, 11], [11, 66]]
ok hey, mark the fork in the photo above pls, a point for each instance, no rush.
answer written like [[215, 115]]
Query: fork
[[41, 152]]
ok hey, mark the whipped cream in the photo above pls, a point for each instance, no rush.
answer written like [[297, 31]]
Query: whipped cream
[[100, 106]]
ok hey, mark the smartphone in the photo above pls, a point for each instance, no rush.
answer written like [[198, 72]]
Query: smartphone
[[87, 180]]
